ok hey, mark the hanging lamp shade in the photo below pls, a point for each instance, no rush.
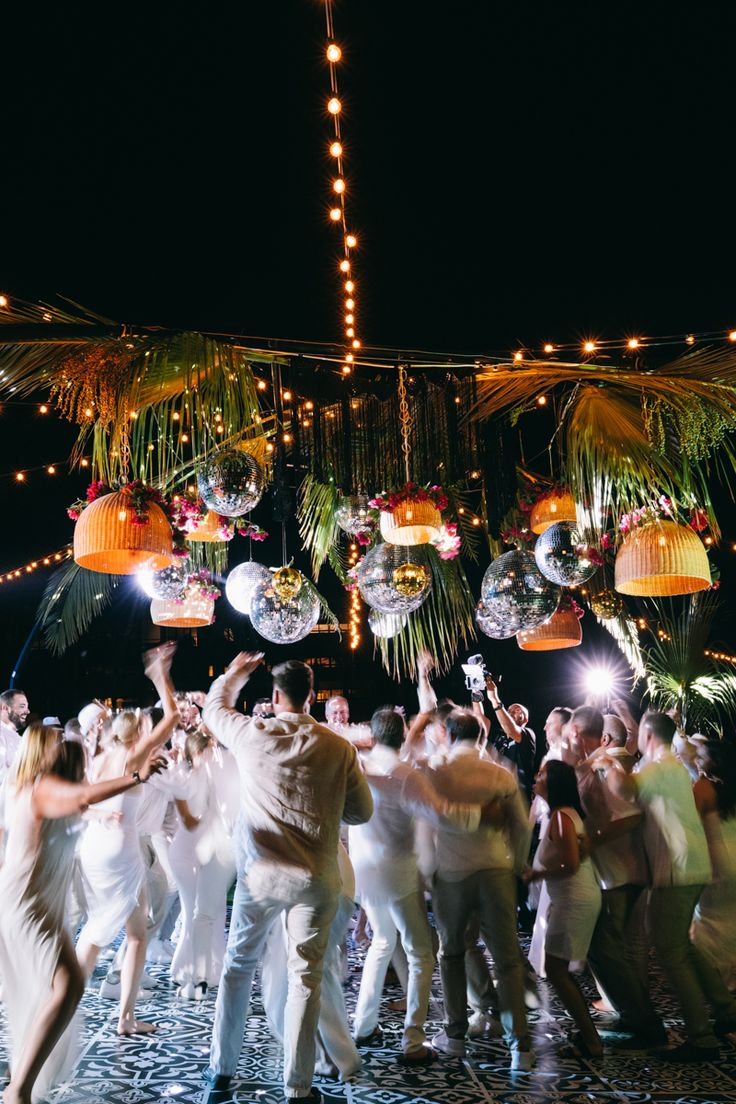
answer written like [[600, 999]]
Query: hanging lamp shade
[[662, 559], [107, 540], [550, 509], [563, 630], [411, 523], [193, 612], [208, 529]]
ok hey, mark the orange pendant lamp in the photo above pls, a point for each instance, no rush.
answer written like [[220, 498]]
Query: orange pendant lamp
[[411, 523], [551, 508], [208, 529], [563, 630], [107, 540], [194, 611], [661, 559]]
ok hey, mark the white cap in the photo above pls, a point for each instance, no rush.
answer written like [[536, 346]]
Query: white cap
[[89, 715], [52, 722]]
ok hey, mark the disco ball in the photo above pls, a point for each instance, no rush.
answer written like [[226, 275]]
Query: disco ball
[[353, 514], [386, 625], [563, 556], [170, 581], [287, 582], [242, 581], [489, 625], [515, 593], [606, 604], [283, 621], [410, 579], [376, 573], [231, 483]]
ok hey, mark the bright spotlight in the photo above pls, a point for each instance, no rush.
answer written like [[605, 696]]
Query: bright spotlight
[[599, 682], [144, 578]]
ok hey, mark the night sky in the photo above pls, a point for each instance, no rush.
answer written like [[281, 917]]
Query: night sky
[[517, 173]]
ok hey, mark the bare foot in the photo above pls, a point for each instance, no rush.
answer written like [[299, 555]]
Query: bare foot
[[135, 1027]]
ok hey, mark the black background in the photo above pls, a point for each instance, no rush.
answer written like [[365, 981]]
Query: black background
[[517, 173]]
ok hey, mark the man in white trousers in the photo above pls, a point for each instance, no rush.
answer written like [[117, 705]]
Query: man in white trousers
[[299, 780]]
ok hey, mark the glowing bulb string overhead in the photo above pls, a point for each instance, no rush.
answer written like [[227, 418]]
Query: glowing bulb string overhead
[[339, 191], [50, 559]]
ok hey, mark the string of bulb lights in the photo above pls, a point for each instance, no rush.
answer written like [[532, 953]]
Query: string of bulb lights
[[51, 559], [355, 603], [339, 191]]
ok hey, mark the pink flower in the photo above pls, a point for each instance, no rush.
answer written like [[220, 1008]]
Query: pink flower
[[74, 514], [698, 519], [606, 541]]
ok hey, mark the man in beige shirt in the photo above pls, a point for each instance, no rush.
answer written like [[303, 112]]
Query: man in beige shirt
[[299, 780]]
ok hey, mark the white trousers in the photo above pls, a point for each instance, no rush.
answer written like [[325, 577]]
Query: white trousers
[[308, 920], [203, 895], [405, 919]]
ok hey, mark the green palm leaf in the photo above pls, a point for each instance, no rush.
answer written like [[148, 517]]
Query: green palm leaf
[[73, 598]]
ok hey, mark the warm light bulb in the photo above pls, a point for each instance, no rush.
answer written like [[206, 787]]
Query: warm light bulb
[[19, 476], [184, 438], [589, 347], [309, 405], [287, 396], [334, 53], [334, 106], [46, 561], [262, 385], [356, 344], [349, 318], [346, 369], [689, 340], [349, 286], [335, 214], [43, 409], [338, 185], [349, 357], [732, 335], [542, 400], [175, 416], [269, 447], [349, 303], [549, 348], [287, 438], [336, 149], [220, 429], [351, 241], [518, 357], [344, 266], [3, 300], [350, 332], [88, 413], [476, 521], [457, 400], [633, 343], [51, 469], [85, 463], [57, 556]]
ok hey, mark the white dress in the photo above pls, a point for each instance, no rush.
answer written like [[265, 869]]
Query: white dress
[[34, 883], [575, 901], [203, 864], [714, 922], [110, 856]]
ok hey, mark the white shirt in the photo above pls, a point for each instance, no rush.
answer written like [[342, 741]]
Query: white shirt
[[298, 781], [9, 744], [469, 776], [383, 850], [620, 861], [156, 796], [674, 836]]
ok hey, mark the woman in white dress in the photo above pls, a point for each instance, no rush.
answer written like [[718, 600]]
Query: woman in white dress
[[575, 898], [110, 853], [714, 922], [42, 981], [202, 858]]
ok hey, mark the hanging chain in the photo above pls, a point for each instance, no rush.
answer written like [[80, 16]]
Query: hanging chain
[[124, 455], [404, 419]]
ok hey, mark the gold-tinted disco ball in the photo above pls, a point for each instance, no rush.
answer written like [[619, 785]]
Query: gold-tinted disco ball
[[287, 582], [410, 580], [606, 604]]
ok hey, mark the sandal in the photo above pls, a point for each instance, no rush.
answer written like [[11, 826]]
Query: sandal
[[576, 1047]]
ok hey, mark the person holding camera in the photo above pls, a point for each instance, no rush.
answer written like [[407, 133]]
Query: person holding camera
[[517, 744]]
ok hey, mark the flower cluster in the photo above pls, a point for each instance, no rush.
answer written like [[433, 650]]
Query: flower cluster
[[198, 585], [351, 578], [189, 514], [140, 494], [664, 507], [517, 534], [389, 501], [569, 605], [447, 542], [250, 529]]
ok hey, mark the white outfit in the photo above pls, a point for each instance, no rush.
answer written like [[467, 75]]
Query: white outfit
[[34, 883], [673, 832], [9, 744], [387, 881], [110, 856], [714, 922], [575, 901], [203, 863], [298, 780]]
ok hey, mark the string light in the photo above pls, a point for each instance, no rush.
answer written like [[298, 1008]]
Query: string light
[[518, 357], [48, 560], [633, 343], [549, 347], [43, 409], [20, 476], [732, 335], [589, 347], [3, 300], [338, 186], [336, 149], [351, 241], [51, 469], [542, 400], [334, 106], [336, 214], [262, 385], [334, 53], [344, 266]]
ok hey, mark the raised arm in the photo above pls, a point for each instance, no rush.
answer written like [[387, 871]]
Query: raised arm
[[157, 665], [54, 797], [219, 714], [506, 721], [623, 712], [425, 691], [419, 798]]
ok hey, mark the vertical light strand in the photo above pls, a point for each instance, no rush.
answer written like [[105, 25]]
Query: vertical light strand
[[339, 190], [355, 604]]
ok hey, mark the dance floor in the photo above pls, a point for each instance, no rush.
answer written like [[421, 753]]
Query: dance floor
[[169, 1065]]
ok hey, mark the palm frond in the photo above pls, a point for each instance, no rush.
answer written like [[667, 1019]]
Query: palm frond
[[318, 528], [73, 598], [326, 612], [623, 632], [439, 626], [680, 675]]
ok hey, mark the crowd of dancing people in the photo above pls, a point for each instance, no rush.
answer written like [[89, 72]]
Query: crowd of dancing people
[[616, 837]]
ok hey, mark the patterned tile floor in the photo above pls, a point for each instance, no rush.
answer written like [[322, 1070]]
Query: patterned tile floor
[[169, 1065]]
